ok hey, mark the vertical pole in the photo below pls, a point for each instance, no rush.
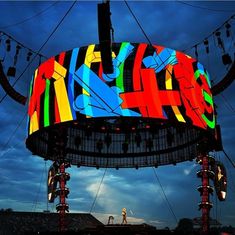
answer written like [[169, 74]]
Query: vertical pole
[[62, 203], [63, 177], [46, 184], [205, 195], [205, 189]]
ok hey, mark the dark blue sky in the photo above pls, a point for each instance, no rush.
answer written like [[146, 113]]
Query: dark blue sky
[[171, 24]]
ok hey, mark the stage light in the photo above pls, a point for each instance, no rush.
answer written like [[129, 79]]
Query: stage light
[[125, 147], [99, 145], [147, 126], [228, 26], [88, 132], [169, 138], [149, 144], [226, 59], [77, 141], [108, 140], [8, 43], [219, 40], [138, 139], [11, 72], [206, 43], [29, 55], [196, 52], [18, 47]]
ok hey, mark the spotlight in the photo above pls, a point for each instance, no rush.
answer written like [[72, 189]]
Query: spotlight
[[169, 138], [125, 147], [228, 26], [149, 144], [196, 52], [11, 72], [219, 40], [18, 47], [8, 42], [226, 59], [77, 141], [29, 55], [108, 140], [88, 132], [206, 43], [138, 139], [99, 145]]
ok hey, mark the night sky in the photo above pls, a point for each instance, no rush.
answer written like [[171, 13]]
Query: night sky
[[178, 25]]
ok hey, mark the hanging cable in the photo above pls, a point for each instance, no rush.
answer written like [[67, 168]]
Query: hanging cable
[[40, 49], [204, 8], [167, 201], [212, 33], [29, 18], [97, 193], [146, 36], [34, 206], [230, 160], [13, 133], [132, 13], [227, 104], [231, 178]]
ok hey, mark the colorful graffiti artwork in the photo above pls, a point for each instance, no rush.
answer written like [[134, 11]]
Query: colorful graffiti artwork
[[148, 81]]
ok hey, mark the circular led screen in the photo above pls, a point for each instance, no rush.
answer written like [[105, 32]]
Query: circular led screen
[[151, 90]]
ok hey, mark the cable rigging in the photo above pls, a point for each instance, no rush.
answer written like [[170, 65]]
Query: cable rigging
[[15, 130], [229, 159], [29, 18], [167, 201], [204, 8], [227, 104], [42, 46], [34, 206], [98, 190]]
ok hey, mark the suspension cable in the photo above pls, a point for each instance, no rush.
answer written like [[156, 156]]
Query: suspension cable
[[230, 160], [15, 130], [40, 49], [38, 192], [167, 201], [28, 18], [97, 193]]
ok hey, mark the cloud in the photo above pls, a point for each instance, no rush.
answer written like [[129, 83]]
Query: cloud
[[23, 177], [188, 170]]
